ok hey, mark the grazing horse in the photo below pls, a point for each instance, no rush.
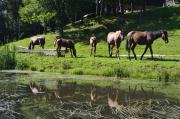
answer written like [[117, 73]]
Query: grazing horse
[[144, 38], [67, 43], [114, 39], [93, 44], [37, 40]]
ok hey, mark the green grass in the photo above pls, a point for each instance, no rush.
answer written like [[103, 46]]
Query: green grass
[[166, 68]]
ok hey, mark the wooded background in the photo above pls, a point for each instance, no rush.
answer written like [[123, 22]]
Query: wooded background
[[23, 18]]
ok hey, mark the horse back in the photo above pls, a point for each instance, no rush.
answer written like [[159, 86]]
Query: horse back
[[140, 37], [65, 43], [110, 37], [113, 37]]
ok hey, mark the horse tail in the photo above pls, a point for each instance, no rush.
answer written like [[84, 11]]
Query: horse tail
[[127, 45]]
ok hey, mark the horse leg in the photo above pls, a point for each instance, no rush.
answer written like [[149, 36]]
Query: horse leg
[[133, 47], [58, 51], [94, 51], [33, 47], [150, 47], [42, 46], [128, 47], [71, 52], [117, 52], [144, 51], [91, 51], [109, 49]]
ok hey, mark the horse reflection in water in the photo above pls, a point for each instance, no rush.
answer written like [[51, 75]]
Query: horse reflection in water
[[93, 95], [37, 89], [64, 89], [113, 97]]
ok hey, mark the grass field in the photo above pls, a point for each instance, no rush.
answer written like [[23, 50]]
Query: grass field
[[164, 68]]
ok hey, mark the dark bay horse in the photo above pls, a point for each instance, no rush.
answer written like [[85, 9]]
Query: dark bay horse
[[93, 43], [36, 40], [67, 43], [144, 38], [114, 39]]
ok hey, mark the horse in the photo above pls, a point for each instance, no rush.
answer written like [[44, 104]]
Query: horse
[[67, 43], [93, 44], [113, 94], [114, 39], [36, 40], [144, 38]]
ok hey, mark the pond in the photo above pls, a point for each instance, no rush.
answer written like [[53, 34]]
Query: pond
[[36, 95]]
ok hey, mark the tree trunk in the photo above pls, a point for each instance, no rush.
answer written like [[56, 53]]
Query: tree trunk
[[101, 11], [132, 6], [97, 7], [122, 7]]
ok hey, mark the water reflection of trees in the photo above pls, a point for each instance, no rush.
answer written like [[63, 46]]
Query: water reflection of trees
[[71, 100]]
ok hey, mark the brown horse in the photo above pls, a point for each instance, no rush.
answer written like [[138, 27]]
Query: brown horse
[[37, 40], [114, 39], [144, 38], [67, 43], [93, 44]]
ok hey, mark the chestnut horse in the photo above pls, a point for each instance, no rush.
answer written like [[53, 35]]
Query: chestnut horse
[[93, 44], [114, 39], [144, 38], [67, 43], [36, 40]]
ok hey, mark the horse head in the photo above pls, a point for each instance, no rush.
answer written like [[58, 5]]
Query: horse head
[[165, 36], [56, 39]]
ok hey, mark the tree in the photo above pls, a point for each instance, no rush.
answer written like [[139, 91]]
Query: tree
[[33, 12]]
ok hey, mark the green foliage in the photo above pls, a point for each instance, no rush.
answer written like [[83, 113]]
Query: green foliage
[[33, 12], [7, 57]]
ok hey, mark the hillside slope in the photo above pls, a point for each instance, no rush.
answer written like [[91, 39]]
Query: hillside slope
[[160, 18]]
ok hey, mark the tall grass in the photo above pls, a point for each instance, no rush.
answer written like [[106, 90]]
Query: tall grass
[[7, 57]]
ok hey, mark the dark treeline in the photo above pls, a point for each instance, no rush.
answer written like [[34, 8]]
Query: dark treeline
[[22, 18]]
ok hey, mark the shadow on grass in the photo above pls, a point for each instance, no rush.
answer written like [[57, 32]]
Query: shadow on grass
[[164, 59]]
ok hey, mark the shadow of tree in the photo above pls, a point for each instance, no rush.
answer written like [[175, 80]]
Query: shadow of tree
[[156, 19]]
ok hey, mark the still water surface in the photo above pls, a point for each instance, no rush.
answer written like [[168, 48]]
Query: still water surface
[[52, 96]]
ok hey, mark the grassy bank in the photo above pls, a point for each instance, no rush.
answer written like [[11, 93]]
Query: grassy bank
[[164, 68]]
